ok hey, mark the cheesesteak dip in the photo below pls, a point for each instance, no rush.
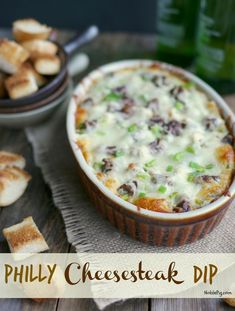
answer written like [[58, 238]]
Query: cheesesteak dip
[[155, 139]]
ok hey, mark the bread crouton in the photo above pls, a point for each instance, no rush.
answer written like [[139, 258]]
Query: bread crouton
[[9, 159], [30, 29], [230, 301], [37, 48], [12, 56], [24, 239], [47, 65], [29, 69], [13, 182], [21, 84]]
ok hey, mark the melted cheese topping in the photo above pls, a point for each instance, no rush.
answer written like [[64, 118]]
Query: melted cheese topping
[[152, 139]]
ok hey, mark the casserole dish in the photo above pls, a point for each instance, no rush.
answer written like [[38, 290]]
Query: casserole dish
[[144, 224]]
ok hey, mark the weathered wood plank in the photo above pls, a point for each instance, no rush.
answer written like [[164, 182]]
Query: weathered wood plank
[[35, 202], [89, 305], [189, 304]]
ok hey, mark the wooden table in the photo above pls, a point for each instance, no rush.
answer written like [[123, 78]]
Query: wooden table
[[37, 201]]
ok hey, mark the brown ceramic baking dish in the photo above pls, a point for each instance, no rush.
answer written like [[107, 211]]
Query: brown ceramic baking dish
[[161, 229]]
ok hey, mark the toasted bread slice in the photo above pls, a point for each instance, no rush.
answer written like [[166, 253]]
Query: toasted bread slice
[[55, 289], [25, 238], [13, 182], [12, 56], [9, 159], [2, 85], [230, 301], [37, 48], [30, 29], [29, 69], [21, 84], [47, 65]]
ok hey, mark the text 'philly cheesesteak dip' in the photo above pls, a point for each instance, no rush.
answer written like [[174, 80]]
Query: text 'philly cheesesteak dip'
[[155, 139]]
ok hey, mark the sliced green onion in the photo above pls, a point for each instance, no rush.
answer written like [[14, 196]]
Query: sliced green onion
[[179, 106], [112, 96], [162, 189], [81, 129], [189, 85], [143, 97], [196, 166], [82, 126], [191, 176], [142, 176], [190, 149], [209, 166], [97, 165], [142, 195], [221, 129], [157, 131], [173, 195], [150, 163], [125, 197], [198, 202], [132, 128], [169, 168], [178, 156], [144, 77], [119, 153]]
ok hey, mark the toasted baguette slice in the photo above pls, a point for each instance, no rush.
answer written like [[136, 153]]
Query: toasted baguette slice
[[21, 84], [2, 85], [29, 69], [12, 56], [47, 65], [13, 182], [30, 29], [25, 238], [9, 159], [37, 48]]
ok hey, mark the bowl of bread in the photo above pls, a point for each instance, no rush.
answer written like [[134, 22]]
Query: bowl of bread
[[34, 76]]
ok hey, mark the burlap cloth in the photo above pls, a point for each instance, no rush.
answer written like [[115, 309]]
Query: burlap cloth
[[85, 228]]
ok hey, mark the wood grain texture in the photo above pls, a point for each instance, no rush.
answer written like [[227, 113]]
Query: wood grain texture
[[37, 199], [36, 202], [189, 305], [89, 305]]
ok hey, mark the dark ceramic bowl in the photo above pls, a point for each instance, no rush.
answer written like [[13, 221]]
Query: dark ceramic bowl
[[64, 52], [35, 116], [162, 229], [37, 104]]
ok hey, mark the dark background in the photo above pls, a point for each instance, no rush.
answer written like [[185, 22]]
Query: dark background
[[109, 15]]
